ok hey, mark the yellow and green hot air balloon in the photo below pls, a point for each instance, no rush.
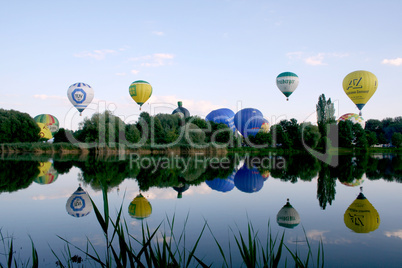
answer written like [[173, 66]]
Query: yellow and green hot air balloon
[[140, 208], [360, 87], [140, 91], [361, 216], [44, 131], [49, 120]]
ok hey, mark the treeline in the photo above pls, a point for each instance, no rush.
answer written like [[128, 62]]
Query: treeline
[[177, 172], [169, 131]]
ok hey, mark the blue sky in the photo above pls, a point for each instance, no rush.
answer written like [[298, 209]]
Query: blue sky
[[207, 53]]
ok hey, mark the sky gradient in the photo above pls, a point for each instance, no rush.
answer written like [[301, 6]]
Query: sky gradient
[[208, 54]]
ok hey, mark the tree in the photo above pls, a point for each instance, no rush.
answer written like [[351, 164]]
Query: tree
[[61, 136], [325, 116], [360, 140], [310, 134], [371, 138], [17, 127], [397, 139], [103, 128], [345, 132]]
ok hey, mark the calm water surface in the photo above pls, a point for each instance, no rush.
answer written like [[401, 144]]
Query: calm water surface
[[228, 193]]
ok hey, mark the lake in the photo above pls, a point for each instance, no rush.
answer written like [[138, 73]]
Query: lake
[[353, 208]]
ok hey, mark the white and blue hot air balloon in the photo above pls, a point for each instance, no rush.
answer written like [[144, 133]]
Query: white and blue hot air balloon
[[80, 95], [222, 116], [79, 204]]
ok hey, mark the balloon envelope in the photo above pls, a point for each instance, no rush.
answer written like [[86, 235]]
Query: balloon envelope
[[79, 204], [265, 126], [287, 83], [248, 121], [222, 116], [47, 173], [354, 118], [140, 208], [248, 180], [361, 216], [181, 111], [49, 120], [80, 95], [288, 216], [360, 87], [140, 91], [44, 131], [222, 185]]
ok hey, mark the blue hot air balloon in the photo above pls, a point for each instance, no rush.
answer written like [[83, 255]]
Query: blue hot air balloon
[[248, 121], [248, 180], [224, 116], [222, 185]]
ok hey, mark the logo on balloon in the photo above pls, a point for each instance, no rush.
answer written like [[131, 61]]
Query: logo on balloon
[[79, 95], [355, 85]]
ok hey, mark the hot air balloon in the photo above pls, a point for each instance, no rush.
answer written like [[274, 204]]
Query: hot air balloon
[[47, 173], [354, 118], [360, 87], [287, 83], [248, 180], [222, 116], [222, 185], [140, 91], [79, 204], [49, 120], [180, 189], [288, 216], [140, 208], [248, 121], [181, 111], [265, 126], [80, 95], [361, 216], [44, 131]]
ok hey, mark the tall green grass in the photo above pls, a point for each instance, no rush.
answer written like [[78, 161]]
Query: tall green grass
[[164, 246]]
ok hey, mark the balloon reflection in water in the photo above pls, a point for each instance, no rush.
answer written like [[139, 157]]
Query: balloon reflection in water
[[288, 217], [222, 185], [140, 208], [248, 180], [79, 203], [361, 216], [180, 189], [355, 182], [47, 173]]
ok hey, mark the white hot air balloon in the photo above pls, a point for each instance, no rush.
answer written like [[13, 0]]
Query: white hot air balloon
[[79, 204], [80, 95]]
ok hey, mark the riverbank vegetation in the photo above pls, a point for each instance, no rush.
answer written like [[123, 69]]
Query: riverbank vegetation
[[105, 133]]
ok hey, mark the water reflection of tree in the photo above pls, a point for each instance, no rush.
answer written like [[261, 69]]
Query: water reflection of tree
[[388, 168], [351, 167], [325, 186], [193, 172], [303, 166], [109, 174], [16, 175]]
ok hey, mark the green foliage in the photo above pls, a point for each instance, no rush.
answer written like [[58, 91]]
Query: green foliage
[[325, 114], [102, 128], [17, 127], [397, 139], [61, 136], [16, 175]]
